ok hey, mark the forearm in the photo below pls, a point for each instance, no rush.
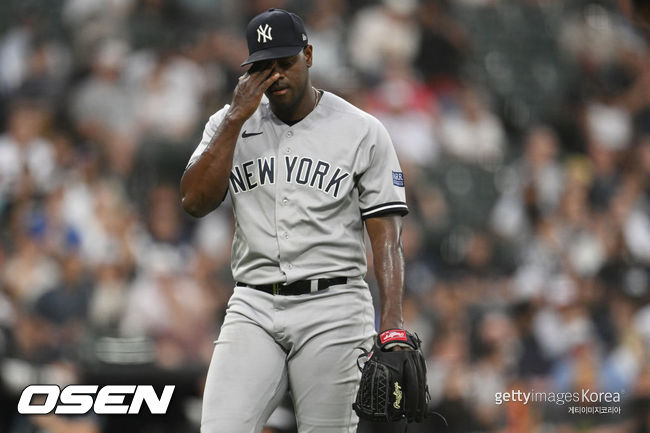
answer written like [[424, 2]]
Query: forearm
[[388, 260], [204, 183], [389, 271]]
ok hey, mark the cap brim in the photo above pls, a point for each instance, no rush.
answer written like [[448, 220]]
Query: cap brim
[[272, 53]]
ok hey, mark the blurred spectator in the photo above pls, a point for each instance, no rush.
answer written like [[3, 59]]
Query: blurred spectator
[[612, 124], [166, 304], [168, 97], [67, 302], [104, 219], [443, 44], [30, 271], [92, 21], [163, 220], [102, 103], [155, 22], [27, 159], [607, 175], [532, 362], [15, 47], [326, 30], [109, 297], [531, 186], [471, 133], [405, 107], [47, 70], [383, 33], [596, 33]]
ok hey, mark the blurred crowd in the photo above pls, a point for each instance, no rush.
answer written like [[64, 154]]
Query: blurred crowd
[[523, 128]]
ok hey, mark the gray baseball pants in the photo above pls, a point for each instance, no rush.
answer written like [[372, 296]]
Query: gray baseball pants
[[306, 343]]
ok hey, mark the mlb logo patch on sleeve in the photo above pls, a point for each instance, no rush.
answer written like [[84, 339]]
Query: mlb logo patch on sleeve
[[398, 178]]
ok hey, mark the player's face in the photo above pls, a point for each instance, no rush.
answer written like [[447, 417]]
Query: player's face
[[290, 89]]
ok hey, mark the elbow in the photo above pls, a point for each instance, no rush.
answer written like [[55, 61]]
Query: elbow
[[193, 199], [192, 207], [197, 199]]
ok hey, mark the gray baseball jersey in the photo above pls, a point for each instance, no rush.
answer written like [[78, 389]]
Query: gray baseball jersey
[[300, 192]]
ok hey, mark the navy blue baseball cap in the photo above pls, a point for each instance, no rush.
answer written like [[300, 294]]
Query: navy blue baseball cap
[[274, 34]]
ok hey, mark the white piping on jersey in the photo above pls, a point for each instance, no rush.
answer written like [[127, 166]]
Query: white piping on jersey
[[383, 208]]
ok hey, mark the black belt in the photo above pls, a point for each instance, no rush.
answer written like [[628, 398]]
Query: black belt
[[301, 287]]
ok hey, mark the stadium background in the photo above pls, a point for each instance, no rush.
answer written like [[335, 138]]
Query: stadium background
[[523, 128]]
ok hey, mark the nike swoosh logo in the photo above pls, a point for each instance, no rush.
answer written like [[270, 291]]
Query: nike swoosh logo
[[247, 134]]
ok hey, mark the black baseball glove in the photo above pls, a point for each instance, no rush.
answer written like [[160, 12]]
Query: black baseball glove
[[393, 382]]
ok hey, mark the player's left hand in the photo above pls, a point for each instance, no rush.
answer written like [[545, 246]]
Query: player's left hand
[[393, 380]]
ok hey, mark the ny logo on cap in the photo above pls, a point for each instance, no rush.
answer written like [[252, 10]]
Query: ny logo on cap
[[264, 33]]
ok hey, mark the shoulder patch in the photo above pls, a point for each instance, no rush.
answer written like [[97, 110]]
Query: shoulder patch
[[398, 178]]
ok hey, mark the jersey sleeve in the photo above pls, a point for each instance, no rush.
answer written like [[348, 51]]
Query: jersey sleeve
[[381, 181], [208, 132]]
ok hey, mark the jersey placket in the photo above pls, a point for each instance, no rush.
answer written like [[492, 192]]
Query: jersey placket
[[284, 194]]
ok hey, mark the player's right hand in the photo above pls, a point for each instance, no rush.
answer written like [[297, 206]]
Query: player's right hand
[[248, 93]]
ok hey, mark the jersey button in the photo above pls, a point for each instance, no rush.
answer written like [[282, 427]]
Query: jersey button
[[285, 201], [285, 235], [287, 150], [289, 134], [289, 266]]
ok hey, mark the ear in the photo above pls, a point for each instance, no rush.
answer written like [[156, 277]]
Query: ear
[[307, 51]]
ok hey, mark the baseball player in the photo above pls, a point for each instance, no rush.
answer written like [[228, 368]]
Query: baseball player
[[305, 171]]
